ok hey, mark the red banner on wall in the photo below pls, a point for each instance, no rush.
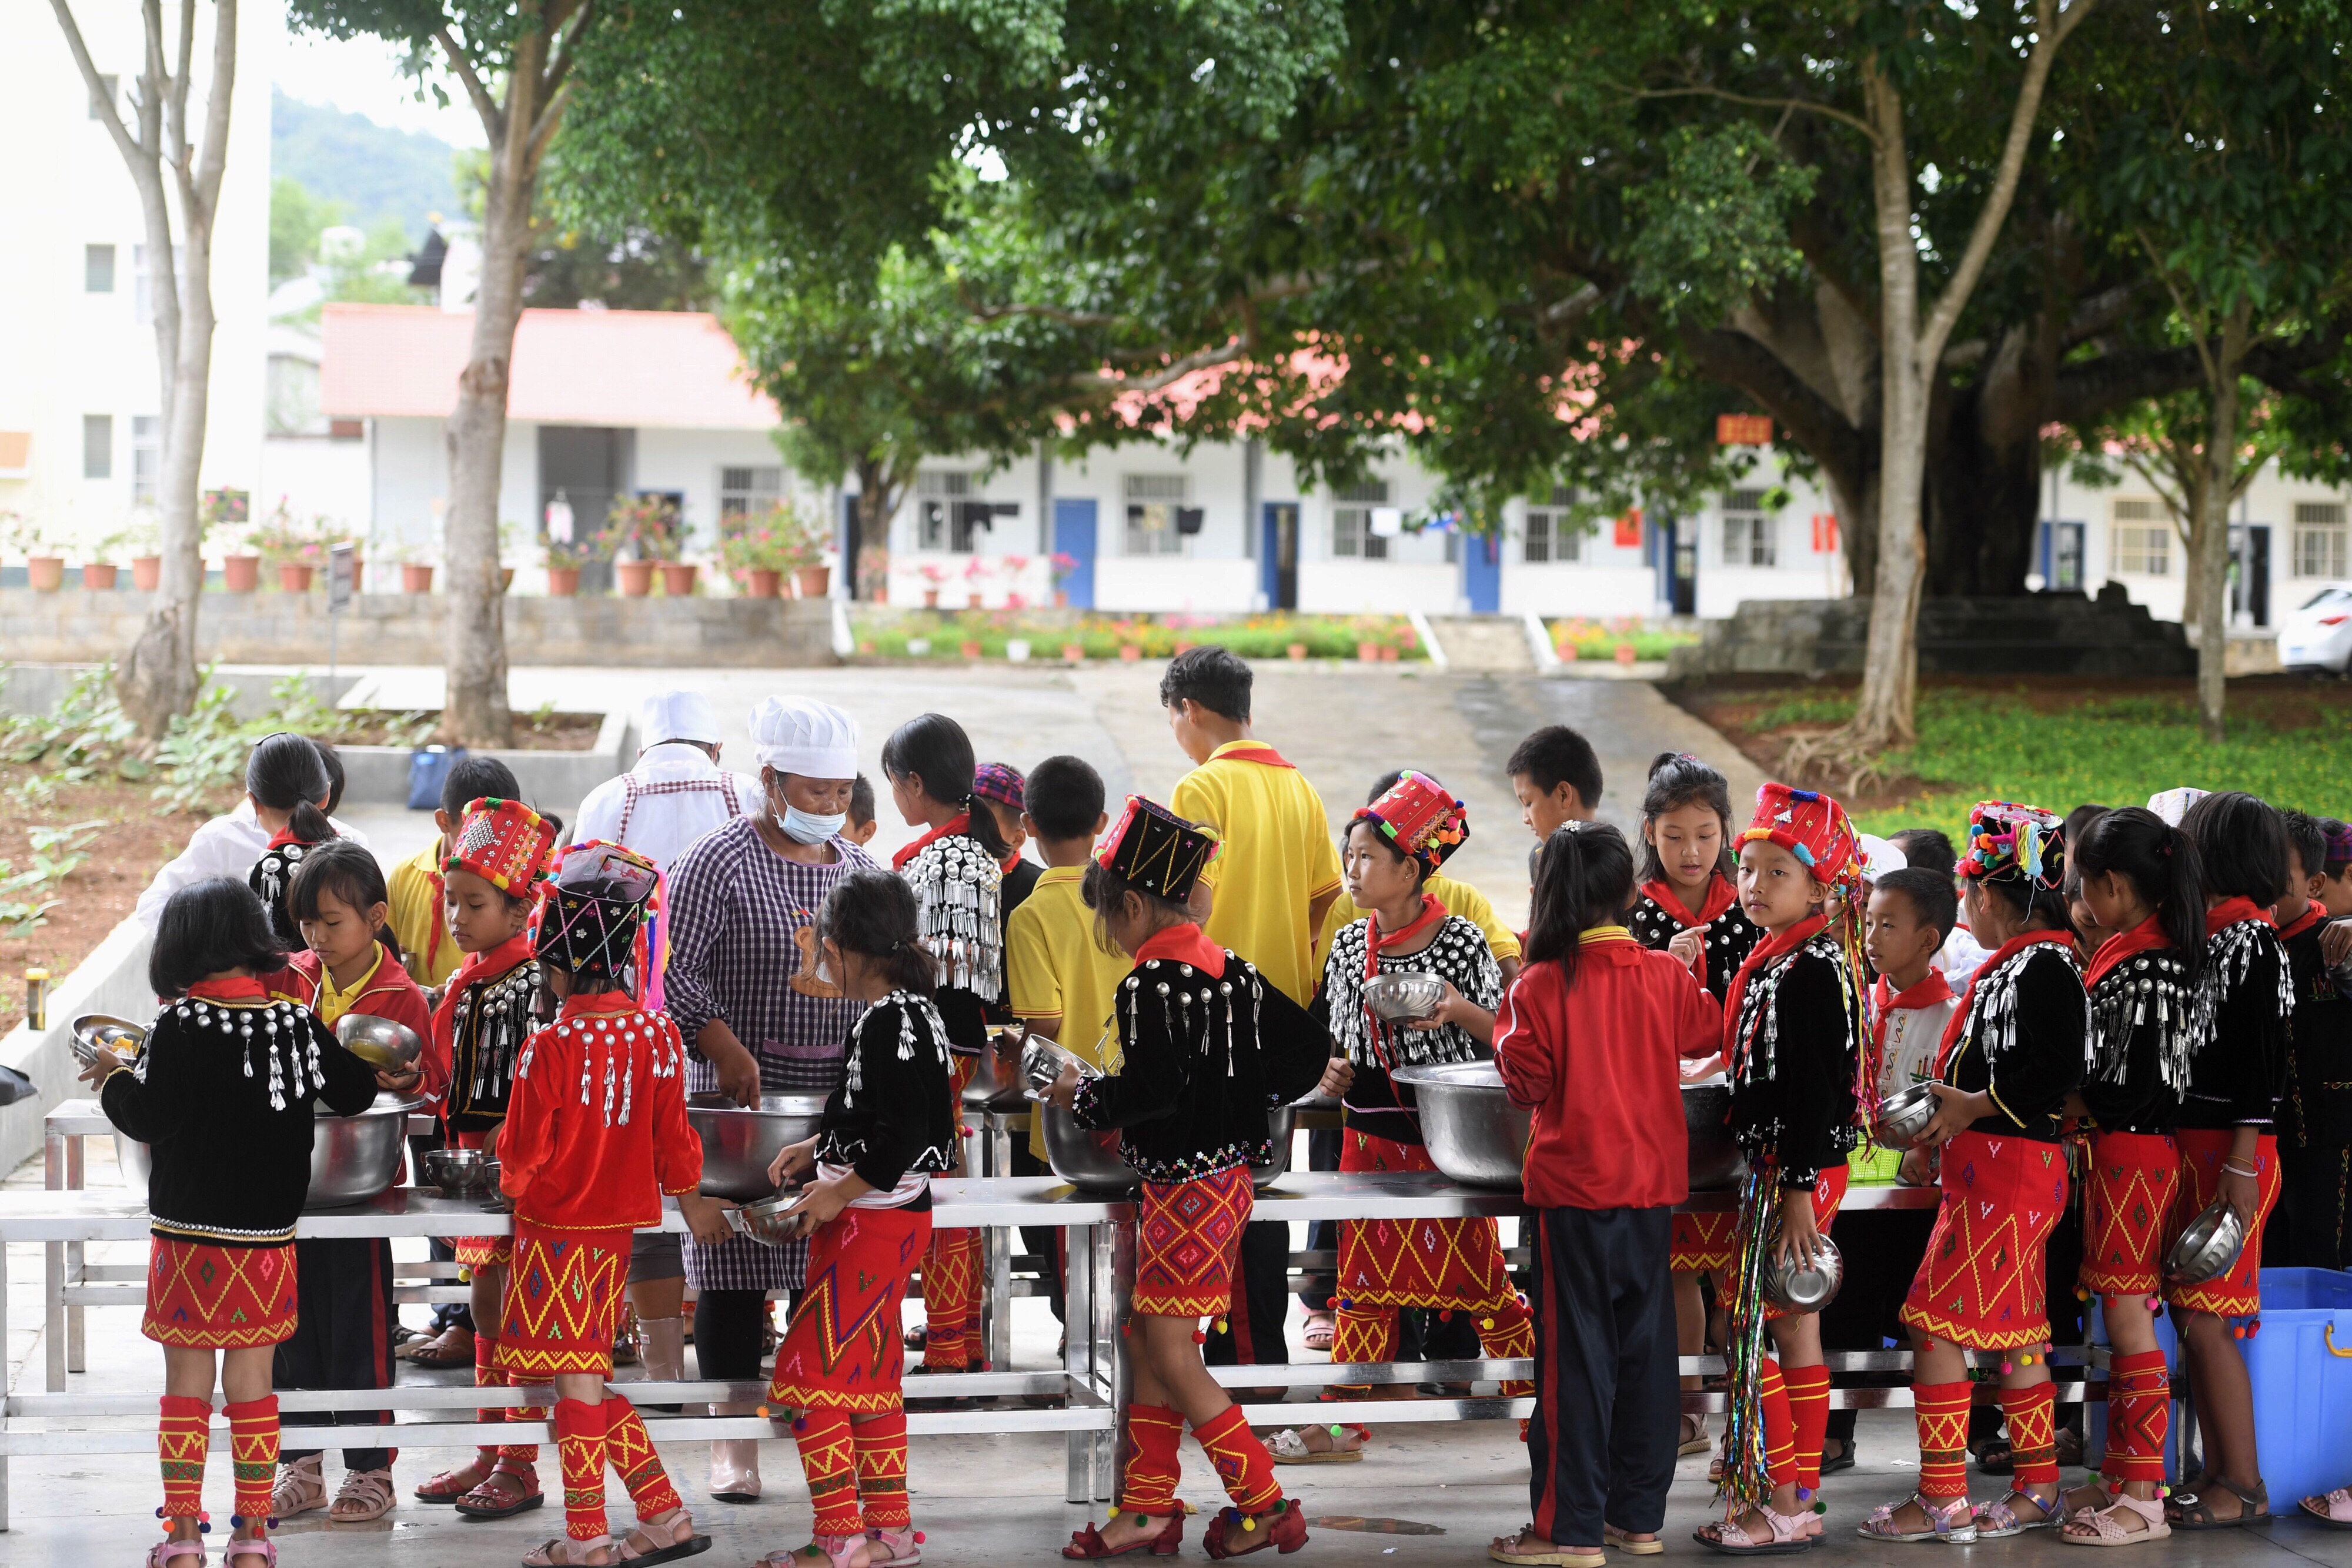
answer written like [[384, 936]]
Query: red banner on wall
[[1743, 429], [1825, 533], [1629, 531]]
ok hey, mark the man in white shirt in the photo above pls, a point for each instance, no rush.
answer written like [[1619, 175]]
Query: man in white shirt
[[225, 846], [677, 792]]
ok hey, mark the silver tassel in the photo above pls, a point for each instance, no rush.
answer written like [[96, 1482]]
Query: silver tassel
[[609, 1065]]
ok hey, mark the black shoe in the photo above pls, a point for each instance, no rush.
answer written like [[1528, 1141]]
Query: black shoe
[[1841, 1460]]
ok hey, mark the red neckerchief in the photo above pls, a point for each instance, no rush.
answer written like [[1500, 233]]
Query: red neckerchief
[[492, 962], [2147, 934], [2232, 911], [2007, 950], [237, 989], [605, 1003], [1183, 944], [1720, 896], [947, 830], [2312, 913], [1259, 752], [285, 836], [1009, 861], [1884, 998], [1377, 941]]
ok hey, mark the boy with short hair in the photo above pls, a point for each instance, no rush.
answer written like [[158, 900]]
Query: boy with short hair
[[862, 825], [415, 884], [1556, 774]]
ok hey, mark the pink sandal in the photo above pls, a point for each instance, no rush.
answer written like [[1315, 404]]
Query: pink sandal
[[163, 1554], [893, 1548], [2333, 1511], [2104, 1529], [836, 1549], [1792, 1533], [1954, 1521], [259, 1546]]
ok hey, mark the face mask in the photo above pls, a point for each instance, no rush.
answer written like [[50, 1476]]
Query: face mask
[[801, 827]]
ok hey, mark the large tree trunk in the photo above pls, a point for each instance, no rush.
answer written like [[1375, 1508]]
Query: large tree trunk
[[2212, 562], [1984, 474]]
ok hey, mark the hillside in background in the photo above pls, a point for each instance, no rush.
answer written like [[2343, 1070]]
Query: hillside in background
[[373, 173]]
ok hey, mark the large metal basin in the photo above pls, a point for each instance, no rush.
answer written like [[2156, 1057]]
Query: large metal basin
[[352, 1158], [1475, 1134], [1715, 1159], [740, 1144], [992, 1089], [1090, 1162]]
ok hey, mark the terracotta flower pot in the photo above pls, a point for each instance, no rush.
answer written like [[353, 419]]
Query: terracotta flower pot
[[241, 573], [971, 649], [678, 577], [46, 573], [146, 572], [1367, 653], [764, 584], [505, 579], [1184, 647], [1625, 653], [812, 581], [931, 599], [636, 578], [293, 577], [1061, 599], [1389, 654], [1296, 650], [415, 578], [563, 581], [1130, 652], [1073, 653], [98, 577]]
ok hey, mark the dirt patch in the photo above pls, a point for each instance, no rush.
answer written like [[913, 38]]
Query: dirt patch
[[548, 731]]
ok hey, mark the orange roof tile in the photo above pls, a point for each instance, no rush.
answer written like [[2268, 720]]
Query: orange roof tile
[[660, 369]]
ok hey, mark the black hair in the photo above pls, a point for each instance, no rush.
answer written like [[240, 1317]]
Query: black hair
[[2334, 831], [2308, 840], [2241, 845], [1384, 784], [1585, 879], [207, 927], [871, 913], [861, 801], [1556, 755], [2029, 901], [472, 779], [285, 774], [1105, 890], [1421, 871], [2079, 820], [1678, 779], [1931, 895], [1217, 678], [934, 750], [1927, 848], [342, 868], [2160, 861], [333, 761], [1065, 798]]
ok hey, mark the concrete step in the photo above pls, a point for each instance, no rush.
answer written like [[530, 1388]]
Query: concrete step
[[1484, 641]]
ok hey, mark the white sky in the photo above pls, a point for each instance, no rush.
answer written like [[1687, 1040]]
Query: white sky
[[363, 75]]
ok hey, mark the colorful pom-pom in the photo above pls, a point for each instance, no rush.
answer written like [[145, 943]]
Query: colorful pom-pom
[[2006, 1369], [2253, 1328], [919, 1538], [763, 1412], [1331, 1302], [1199, 1338], [1221, 1326], [1113, 1513], [1347, 1305], [1445, 1314], [1249, 1524], [1337, 1431]]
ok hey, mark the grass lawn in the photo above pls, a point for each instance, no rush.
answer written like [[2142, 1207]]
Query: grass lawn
[[2058, 743]]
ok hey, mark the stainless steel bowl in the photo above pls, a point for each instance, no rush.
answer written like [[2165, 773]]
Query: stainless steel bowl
[[740, 1144], [382, 1043], [1042, 1061], [1402, 996], [765, 1221], [1280, 1122], [462, 1173], [1904, 1115], [1086, 1159], [352, 1158], [990, 1089], [1809, 1287], [1716, 1160], [94, 1032], [1474, 1133], [2209, 1248]]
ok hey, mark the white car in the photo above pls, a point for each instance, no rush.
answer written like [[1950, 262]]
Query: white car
[[2318, 634]]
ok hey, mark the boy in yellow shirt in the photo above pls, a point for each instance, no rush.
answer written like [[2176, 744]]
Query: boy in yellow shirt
[[1556, 774], [1059, 981]]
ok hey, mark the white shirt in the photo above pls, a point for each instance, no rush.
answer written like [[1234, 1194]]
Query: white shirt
[[673, 796], [225, 846], [1912, 1036], [1960, 958]]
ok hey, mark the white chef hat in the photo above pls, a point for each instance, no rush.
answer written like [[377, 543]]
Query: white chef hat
[[678, 716], [803, 735], [1879, 857], [2173, 804]]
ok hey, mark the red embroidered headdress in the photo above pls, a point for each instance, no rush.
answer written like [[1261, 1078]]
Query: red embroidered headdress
[[505, 842], [1157, 851], [1811, 826], [1419, 817]]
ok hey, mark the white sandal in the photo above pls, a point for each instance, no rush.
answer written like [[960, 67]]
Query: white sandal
[[1288, 1446], [2108, 1532], [1954, 1523], [372, 1489], [300, 1488]]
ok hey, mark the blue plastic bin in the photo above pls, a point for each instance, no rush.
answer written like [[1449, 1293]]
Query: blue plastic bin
[[2300, 1367]]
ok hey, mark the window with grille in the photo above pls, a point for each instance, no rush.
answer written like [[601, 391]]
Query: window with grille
[[146, 457], [1351, 521], [2140, 542], [98, 446], [1551, 536], [1751, 535], [2320, 539], [742, 491], [1156, 513], [949, 518]]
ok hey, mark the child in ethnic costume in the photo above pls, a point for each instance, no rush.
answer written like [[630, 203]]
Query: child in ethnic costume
[[1596, 1020], [1794, 1034], [2229, 1148], [957, 870], [2316, 1149], [223, 1093], [1207, 1046], [2139, 878], [886, 1131], [344, 1340], [1688, 903], [2020, 1043], [596, 1132], [286, 777], [497, 859], [1393, 846]]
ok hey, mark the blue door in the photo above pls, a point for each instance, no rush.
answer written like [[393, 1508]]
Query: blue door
[[1279, 558], [1074, 536], [1482, 572]]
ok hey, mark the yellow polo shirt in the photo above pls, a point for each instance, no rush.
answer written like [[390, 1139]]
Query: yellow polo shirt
[[414, 890], [1459, 898], [1277, 857], [1054, 968]]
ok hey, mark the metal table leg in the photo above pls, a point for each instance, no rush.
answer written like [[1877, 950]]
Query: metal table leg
[[4, 1419], [77, 1257], [53, 1269], [1079, 1367]]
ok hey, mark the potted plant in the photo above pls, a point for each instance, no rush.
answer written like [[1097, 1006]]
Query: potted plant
[[873, 574], [44, 568], [228, 512], [933, 574], [1062, 566], [142, 542], [975, 571], [647, 526], [416, 575], [759, 551], [563, 559], [290, 546]]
